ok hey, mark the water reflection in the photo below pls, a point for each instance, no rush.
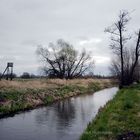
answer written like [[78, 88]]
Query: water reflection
[[65, 113], [64, 120]]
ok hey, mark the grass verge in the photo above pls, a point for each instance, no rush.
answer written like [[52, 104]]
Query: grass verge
[[119, 119]]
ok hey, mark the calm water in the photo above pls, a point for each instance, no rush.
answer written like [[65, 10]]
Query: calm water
[[64, 120]]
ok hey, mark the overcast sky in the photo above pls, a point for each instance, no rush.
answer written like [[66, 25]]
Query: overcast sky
[[26, 23]]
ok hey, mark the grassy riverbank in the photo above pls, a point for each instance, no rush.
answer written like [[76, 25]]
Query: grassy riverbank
[[119, 119], [26, 94]]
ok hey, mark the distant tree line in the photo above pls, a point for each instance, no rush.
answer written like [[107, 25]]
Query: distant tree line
[[6, 75], [27, 75]]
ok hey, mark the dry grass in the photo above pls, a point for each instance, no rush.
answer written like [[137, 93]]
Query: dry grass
[[23, 84], [50, 83]]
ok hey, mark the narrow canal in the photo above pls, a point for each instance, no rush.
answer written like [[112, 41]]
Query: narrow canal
[[64, 120]]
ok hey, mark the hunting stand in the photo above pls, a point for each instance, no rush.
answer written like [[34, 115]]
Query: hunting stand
[[8, 71]]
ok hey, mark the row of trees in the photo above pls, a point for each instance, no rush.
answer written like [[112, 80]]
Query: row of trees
[[25, 75], [126, 47], [61, 60]]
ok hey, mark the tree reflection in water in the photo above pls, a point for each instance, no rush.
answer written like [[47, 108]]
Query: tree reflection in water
[[65, 112], [59, 115]]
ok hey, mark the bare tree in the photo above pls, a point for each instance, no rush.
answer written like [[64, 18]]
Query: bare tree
[[136, 57], [61, 60], [126, 60], [118, 38]]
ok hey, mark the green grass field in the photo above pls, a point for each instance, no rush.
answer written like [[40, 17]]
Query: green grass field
[[119, 119]]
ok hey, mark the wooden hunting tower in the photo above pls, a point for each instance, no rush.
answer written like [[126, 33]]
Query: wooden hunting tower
[[8, 72]]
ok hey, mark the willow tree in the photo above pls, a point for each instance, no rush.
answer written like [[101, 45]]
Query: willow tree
[[61, 60]]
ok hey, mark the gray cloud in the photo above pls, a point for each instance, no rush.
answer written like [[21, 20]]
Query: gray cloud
[[26, 23]]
